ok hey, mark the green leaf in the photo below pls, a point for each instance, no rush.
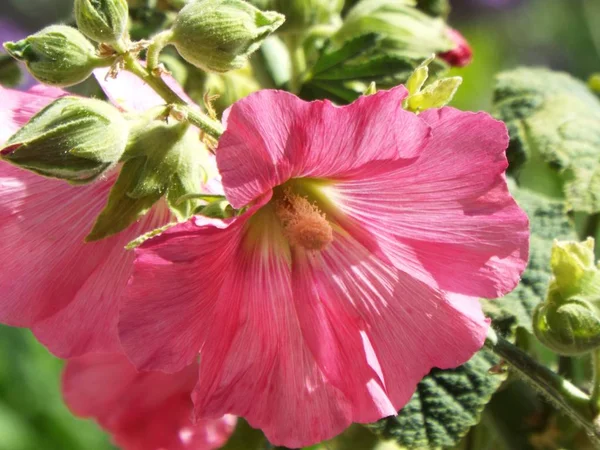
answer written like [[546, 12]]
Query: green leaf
[[161, 160], [434, 8], [554, 122], [548, 221], [349, 50], [446, 404]]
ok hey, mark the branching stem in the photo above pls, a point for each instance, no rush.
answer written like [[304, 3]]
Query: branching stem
[[202, 121]]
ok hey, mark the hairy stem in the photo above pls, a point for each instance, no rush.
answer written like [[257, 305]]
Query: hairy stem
[[202, 121], [564, 395], [158, 43]]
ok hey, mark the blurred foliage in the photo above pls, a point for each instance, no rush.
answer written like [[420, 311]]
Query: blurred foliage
[[32, 413]]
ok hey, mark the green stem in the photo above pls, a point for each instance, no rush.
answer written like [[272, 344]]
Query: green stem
[[567, 397], [202, 121], [158, 43], [595, 395], [295, 45]]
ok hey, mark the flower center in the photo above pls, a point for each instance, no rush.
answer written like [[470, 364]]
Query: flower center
[[304, 224]]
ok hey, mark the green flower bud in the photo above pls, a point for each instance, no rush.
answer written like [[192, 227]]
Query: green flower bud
[[74, 138], [102, 20], [301, 14], [568, 322], [220, 35], [58, 55]]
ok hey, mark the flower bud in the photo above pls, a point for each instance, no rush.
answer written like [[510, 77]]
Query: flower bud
[[301, 14], [58, 55], [102, 20], [220, 35], [74, 138], [461, 55], [568, 322]]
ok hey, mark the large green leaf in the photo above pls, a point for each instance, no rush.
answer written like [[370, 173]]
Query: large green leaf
[[446, 404], [554, 123]]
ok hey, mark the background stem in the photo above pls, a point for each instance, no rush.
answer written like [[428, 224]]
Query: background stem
[[567, 397]]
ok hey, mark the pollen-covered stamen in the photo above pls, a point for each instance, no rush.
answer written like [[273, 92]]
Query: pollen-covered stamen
[[304, 223]]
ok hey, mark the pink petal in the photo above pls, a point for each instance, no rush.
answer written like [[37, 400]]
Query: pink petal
[[67, 291], [447, 218], [273, 136], [233, 305], [143, 411], [301, 349], [462, 54], [376, 331], [130, 93], [18, 107]]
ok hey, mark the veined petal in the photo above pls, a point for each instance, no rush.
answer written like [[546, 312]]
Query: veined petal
[[376, 331], [235, 310], [52, 281], [447, 215], [273, 136], [143, 411]]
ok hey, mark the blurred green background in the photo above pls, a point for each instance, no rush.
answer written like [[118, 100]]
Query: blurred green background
[[561, 34]]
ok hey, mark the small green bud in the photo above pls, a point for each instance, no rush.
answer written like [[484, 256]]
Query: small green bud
[[58, 55], [220, 35], [102, 20], [568, 322], [302, 14], [74, 138]]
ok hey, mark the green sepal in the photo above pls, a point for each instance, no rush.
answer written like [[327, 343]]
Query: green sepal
[[58, 55], [554, 124], [436, 95], [102, 20], [161, 160], [568, 322], [74, 139]]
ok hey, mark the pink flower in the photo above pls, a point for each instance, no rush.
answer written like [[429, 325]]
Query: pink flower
[[65, 290], [370, 234], [143, 411], [462, 54]]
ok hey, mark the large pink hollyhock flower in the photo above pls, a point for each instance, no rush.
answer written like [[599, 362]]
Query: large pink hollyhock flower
[[65, 290], [370, 234], [142, 411]]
